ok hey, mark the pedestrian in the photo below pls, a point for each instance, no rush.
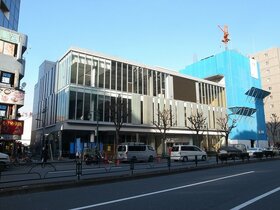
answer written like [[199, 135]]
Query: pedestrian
[[44, 155]]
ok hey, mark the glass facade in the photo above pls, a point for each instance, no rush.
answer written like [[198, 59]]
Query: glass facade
[[9, 14], [89, 85]]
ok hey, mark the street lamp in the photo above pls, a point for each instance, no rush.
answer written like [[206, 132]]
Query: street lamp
[[95, 116], [43, 120]]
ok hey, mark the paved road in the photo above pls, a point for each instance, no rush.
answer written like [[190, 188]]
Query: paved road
[[248, 186]]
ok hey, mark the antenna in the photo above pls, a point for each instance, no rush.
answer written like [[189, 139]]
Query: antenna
[[225, 39]]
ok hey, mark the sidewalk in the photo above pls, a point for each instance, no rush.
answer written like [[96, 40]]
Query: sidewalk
[[124, 175]]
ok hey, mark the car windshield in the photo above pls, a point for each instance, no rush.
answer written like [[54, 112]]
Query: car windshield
[[175, 149], [121, 148]]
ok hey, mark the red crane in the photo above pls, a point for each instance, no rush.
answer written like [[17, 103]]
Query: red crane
[[225, 40]]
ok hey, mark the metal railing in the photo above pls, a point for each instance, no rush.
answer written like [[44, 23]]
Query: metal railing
[[76, 170]]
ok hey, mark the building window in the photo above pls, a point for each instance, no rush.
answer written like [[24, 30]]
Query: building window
[[7, 78], [271, 97], [267, 71], [7, 48], [267, 63], [268, 79], [266, 55], [271, 106], [3, 110], [269, 88], [4, 9]]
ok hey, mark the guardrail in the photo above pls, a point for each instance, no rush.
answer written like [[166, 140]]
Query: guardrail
[[57, 171]]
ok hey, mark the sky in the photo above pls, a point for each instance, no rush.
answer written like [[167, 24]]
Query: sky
[[166, 33]]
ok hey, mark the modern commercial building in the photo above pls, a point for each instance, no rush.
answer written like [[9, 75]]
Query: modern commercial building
[[9, 14], [244, 94], [269, 61], [79, 97], [12, 68]]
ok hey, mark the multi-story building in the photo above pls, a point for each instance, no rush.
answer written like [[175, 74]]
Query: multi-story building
[[269, 61], [9, 14], [77, 98], [12, 68], [244, 95]]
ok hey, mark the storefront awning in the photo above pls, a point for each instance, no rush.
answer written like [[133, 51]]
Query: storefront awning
[[244, 111], [257, 93]]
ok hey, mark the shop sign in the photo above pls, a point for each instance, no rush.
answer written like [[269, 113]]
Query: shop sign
[[12, 127], [11, 96]]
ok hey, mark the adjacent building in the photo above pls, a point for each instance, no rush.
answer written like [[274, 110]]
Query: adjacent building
[[79, 97], [269, 61], [9, 14], [12, 67], [244, 94]]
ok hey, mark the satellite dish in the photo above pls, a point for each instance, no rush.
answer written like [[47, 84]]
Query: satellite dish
[[23, 85]]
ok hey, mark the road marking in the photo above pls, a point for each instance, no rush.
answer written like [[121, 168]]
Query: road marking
[[255, 199], [161, 191]]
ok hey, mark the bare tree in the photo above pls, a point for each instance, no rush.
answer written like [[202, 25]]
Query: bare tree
[[226, 125], [164, 121], [198, 123], [118, 113], [272, 126]]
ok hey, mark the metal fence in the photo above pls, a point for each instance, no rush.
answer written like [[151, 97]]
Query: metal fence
[[24, 174]]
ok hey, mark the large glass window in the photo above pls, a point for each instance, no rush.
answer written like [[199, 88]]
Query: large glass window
[[159, 82], [81, 73], [135, 79], [100, 107], [101, 74], [125, 110], [107, 75], [129, 82], [88, 75], [87, 113], [74, 72], [113, 76], [72, 105], [80, 100], [124, 77], [163, 84], [129, 110], [140, 79], [95, 69], [107, 109], [119, 76], [145, 82], [154, 83]]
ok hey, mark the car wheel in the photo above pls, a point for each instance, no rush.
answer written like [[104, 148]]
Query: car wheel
[[151, 159], [203, 158], [185, 159]]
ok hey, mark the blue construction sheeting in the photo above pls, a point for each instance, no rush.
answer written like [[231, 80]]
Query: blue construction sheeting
[[242, 80]]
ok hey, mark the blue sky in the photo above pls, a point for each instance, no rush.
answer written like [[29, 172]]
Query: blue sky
[[166, 33]]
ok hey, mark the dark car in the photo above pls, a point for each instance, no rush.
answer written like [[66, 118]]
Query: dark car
[[231, 152]]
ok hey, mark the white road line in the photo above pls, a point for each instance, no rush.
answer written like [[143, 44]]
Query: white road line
[[255, 199], [161, 191]]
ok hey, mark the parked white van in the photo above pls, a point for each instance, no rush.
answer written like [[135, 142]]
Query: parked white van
[[136, 151], [187, 152]]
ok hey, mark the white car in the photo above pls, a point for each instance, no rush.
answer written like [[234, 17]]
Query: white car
[[4, 160], [187, 152], [255, 152]]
